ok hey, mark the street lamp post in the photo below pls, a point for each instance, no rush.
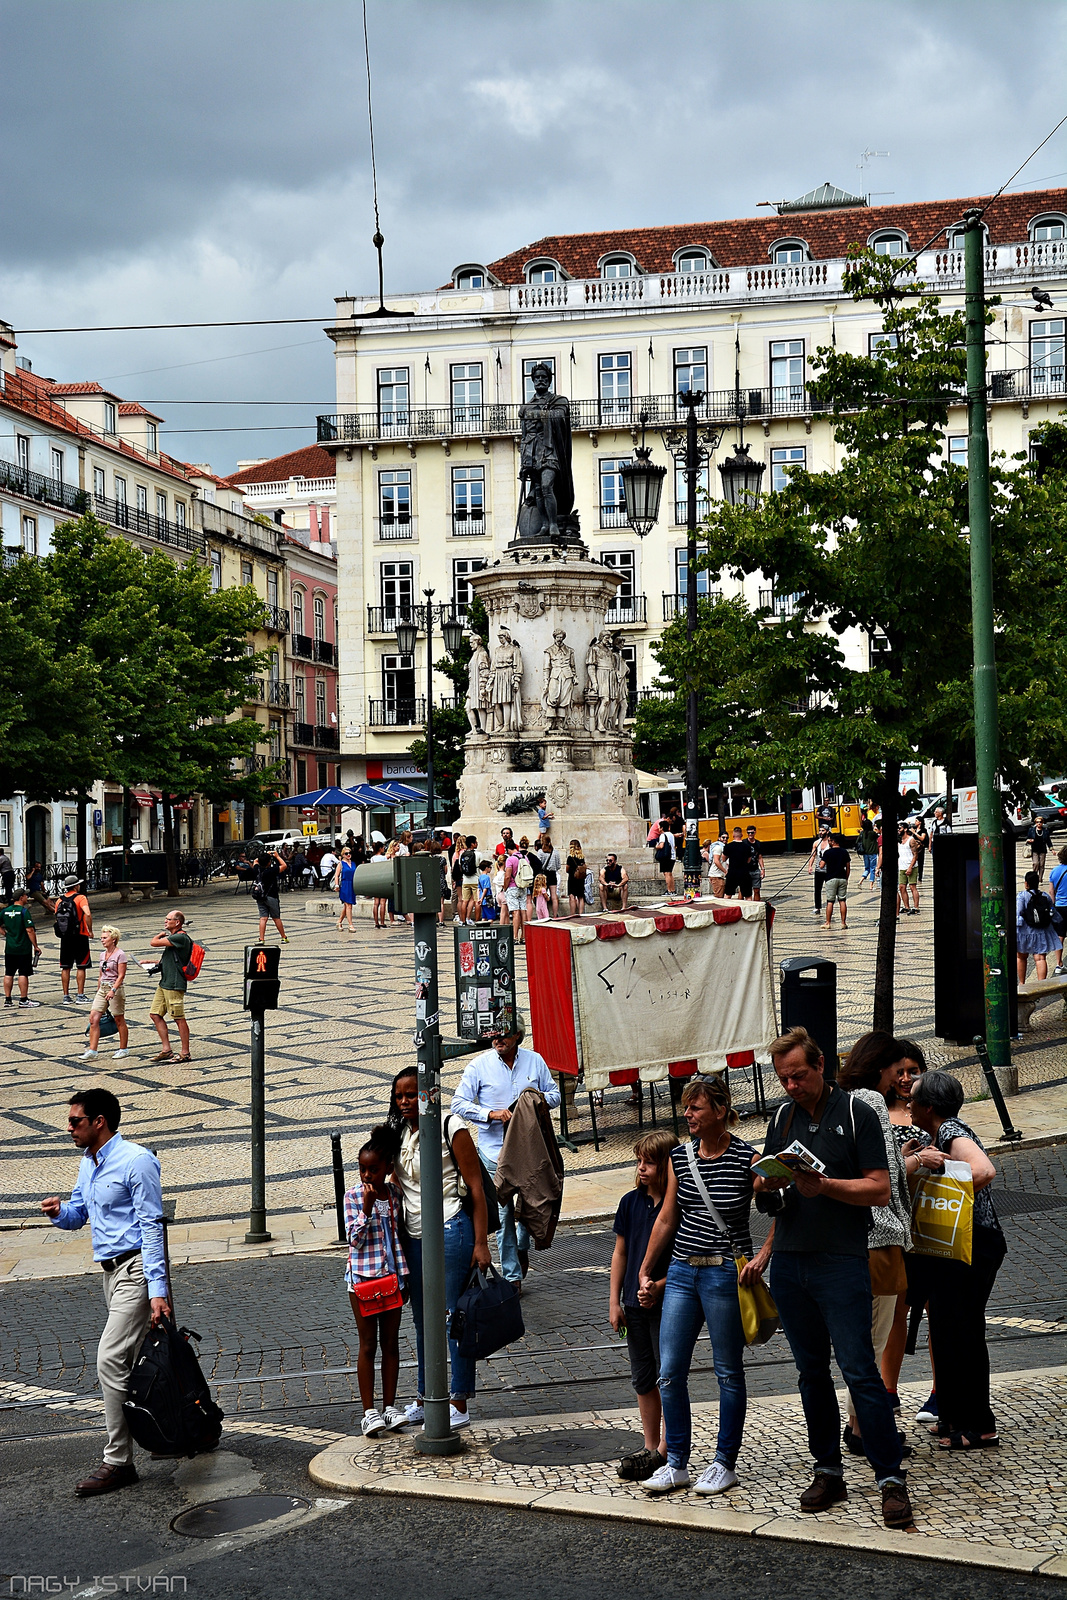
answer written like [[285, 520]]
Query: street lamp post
[[407, 633]]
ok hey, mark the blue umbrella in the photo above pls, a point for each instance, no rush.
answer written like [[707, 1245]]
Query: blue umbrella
[[319, 797]]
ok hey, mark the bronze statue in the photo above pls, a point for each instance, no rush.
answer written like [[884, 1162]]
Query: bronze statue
[[547, 509]]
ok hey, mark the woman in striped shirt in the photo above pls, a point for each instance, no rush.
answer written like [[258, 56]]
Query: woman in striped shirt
[[702, 1281]]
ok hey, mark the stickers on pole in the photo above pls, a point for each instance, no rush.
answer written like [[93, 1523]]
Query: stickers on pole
[[485, 980]]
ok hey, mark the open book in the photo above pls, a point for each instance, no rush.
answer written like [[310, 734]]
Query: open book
[[795, 1158]]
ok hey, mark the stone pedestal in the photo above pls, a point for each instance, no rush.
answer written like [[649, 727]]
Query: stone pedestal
[[572, 745]]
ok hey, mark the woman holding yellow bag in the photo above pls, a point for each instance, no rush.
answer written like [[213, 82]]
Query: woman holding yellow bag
[[957, 1291], [705, 1216]]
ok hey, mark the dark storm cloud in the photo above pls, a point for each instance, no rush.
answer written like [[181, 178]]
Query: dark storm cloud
[[188, 160]]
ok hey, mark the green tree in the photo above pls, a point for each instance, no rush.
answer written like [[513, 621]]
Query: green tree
[[877, 548], [450, 725]]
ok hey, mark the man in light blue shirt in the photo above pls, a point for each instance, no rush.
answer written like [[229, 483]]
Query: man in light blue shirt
[[118, 1193], [485, 1095]]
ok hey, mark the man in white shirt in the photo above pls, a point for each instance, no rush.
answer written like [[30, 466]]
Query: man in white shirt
[[485, 1095], [327, 864]]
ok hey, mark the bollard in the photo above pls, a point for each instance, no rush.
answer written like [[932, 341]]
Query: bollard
[[1011, 1134], [339, 1186]]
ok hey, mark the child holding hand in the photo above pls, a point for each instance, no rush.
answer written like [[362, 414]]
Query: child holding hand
[[375, 1276], [639, 1325]]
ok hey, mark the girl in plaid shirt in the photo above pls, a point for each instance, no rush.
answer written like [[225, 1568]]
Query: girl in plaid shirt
[[372, 1213]]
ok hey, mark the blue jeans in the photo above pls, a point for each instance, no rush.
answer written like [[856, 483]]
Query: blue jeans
[[870, 867], [512, 1235], [825, 1300], [693, 1296], [459, 1243]]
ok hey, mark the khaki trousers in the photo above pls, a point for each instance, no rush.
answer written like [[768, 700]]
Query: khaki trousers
[[128, 1316], [884, 1309]]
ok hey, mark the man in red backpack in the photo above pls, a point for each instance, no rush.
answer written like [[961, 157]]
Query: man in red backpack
[[169, 1000]]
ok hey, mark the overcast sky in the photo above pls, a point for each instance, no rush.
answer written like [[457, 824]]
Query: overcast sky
[[172, 160]]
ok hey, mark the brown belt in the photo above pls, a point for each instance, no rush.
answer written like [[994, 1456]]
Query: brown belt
[[704, 1261]]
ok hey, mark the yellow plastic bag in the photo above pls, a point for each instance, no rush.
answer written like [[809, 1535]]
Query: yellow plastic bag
[[942, 1212], [759, 1314]]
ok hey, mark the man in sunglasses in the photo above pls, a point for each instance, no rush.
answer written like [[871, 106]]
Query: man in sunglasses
[[118, 1194], [757, 870]]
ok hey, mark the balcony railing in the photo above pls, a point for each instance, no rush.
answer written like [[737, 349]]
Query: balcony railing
[[122, 515], [396, 525], [674, 605], [257, 689], [326, 738], [397, 713], [780, 605], [277, 693], [302, 733], [613, 516], [383, 619], [277, 619], [49, 491], [304, 646], [636, 697], [278, 488], [466, 523], [325, 651], [628, 609]]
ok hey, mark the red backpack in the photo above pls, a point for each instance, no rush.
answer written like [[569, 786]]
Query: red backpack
[[191, 969]]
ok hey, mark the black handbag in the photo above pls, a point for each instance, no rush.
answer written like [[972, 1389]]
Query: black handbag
[[488, 1315]]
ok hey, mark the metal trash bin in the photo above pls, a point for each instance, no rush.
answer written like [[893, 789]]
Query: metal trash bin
[[809, 1000]]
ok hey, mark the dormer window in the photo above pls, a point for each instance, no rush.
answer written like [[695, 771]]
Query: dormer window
[[153, 436], [889, 244], [542, 272], [1045, 229], [957, 238], [617, 267], [789, 252], [692, 261], [109, 417], [469, 277]]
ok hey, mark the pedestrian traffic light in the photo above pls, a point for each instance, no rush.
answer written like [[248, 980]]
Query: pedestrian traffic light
[[262, 983]]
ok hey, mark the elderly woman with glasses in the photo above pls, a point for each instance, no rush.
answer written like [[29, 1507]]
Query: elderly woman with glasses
[[702, 1281]]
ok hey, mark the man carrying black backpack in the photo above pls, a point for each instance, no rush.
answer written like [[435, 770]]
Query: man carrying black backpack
[[74, 929], [118, 1192]]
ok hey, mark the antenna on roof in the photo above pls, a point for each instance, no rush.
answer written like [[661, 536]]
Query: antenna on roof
[[379, 239], [865, 159]]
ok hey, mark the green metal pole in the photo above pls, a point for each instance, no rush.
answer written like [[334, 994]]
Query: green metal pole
[[986, 732], [692, 705]]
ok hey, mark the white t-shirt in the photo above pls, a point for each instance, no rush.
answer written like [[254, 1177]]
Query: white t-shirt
[[328, 863], [408, 1171]]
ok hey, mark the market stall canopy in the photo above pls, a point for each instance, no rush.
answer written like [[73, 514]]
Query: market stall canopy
[[319, 797], [402, 793]]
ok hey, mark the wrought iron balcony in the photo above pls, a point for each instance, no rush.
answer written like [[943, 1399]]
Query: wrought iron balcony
[[303, 646], [35, 486], [256, 689], [469, 523], [396, 525], [628, 610], [326, 738], [383, 619], [397, 713], [674, 605], [779, 605], [277, 619], [325, 651], [613, 516], [302, 733], [277, 693], [121, 515]]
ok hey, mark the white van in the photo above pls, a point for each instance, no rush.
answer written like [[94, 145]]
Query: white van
[[276, 837]]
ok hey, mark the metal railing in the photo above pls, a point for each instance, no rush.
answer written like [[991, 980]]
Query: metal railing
[[120, 514], [277, 619], [35, 486], [468, 523], [325, 652], [303, 646], [383, 619], [326, 738], [277, 693], [674, 605], [780, 605], [397, 713], [637, 697], [399, 526], [630, 609], [302, 733], [613, 516]]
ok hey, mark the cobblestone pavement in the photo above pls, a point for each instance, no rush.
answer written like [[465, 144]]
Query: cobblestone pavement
[[343, 1030]]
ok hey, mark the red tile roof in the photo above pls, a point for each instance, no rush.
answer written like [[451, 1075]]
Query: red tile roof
[[134, 408], [747, 241], [79, 388], [310, 462], [24, 391]]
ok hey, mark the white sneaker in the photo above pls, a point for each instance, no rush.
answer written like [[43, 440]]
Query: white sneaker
[[83, 1000], [68, 1000], [716, 1478], [373, 1423], [414, 1413], [457, 919], [393, 1417], [664, 1479], [88, 1055], [119, 1055], [457, 1418]]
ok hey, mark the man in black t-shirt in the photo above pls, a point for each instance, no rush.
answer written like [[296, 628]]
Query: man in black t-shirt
[[268, 869], [837, 866], [819, 1274], [738, 854]]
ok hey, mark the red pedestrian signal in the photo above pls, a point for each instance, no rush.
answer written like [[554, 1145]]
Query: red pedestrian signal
[[262, 982]]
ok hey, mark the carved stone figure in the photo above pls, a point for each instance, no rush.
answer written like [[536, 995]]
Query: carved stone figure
[[545, 463], [505, 680], [622, 686], [602, 689], [561, 680], [593, 691], [478, 686]]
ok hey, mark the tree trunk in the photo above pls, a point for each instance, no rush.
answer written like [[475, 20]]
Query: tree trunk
[[888, 793], [168, 848], [83, 841]]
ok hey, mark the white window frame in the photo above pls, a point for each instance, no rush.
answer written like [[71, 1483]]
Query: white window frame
[[612, 500], [215, 560], [161, 505], [22, 450], [153, 437], [615, 385], [300, 697], [697, 358], [468, 497], [789, 252], [681, 494], [179, 514], [395, 500], [297, 598], [58, 464], [322, 713], [694, 254], [705, 587], [618, 265], [5, 829], [318, 618], [100, 483], [466, 390], [527, 374], [120, 490], [783, 456], [543, 271], [887, 236], [110, 417], [1047, 370], [1048, 219], [470, 278], [462, 568], [388, 381], [29, 535], [956, 450], [396, 582], [791, 390]]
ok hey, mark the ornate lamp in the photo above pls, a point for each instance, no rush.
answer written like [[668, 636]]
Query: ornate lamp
[[642, 486], [741, 477], [407, 631], [452, 632]]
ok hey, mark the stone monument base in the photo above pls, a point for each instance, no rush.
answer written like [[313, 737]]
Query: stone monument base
[[596, 805]]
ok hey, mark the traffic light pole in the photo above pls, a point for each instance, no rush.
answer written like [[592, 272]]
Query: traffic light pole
[[986, 717], [257, 1220]]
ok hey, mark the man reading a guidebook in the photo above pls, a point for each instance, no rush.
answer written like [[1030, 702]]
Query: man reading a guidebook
[[831, 1167]]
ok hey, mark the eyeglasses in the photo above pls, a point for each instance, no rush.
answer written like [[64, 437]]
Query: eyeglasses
[[73, 1122]]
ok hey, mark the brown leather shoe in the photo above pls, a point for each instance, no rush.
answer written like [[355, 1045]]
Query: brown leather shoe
[[896, 1507], [106, 1478], [824, 1491]]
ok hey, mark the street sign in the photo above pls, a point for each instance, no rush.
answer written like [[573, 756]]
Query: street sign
[[485, 979], [311, 827], [262, 983]]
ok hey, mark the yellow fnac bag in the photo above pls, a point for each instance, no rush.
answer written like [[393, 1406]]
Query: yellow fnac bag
[[942, 1213]]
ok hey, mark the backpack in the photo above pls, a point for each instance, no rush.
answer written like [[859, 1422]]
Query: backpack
[[664, 856], [191, 968], [524, 873], [168, 1407], [468, 863], [1037, 913], [66, 921], [492, 1204]]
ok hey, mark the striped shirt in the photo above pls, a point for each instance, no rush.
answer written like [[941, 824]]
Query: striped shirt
[[374, 1241], [728, 1179]]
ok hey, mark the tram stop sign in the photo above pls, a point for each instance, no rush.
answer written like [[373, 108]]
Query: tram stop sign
[[262, 983]]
